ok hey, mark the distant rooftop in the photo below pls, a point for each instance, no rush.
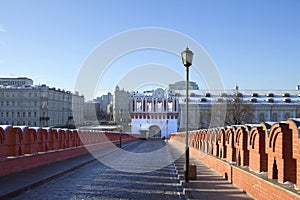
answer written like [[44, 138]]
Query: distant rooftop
[[20, 81], [251, 96]]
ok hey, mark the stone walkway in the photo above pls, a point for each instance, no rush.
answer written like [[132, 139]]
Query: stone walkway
[[209, 185], [141, 170]]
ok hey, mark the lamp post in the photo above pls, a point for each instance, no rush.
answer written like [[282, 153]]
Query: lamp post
[[187, 58]]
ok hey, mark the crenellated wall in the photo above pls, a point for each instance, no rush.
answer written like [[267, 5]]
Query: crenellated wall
[[243, 154], [26, 147]]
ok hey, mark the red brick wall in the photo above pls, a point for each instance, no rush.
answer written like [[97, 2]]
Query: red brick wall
[[258, 159], [24, 148], [250, 183], [240, 143], [230, 146], [258, 147]]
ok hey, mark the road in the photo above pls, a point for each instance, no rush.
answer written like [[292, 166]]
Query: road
[[141, 170]]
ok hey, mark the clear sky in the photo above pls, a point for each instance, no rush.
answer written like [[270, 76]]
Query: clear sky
[[255, 44]]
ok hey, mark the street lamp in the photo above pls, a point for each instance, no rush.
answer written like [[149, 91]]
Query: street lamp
[[187, 58]]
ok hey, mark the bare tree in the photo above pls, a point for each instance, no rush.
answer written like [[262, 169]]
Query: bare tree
[[238, 111]]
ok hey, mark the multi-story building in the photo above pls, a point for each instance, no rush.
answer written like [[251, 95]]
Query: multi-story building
[[208, 108], [39, 106], [104, 101], [121, 114], [91, 110], [181, 85], [16, 81]]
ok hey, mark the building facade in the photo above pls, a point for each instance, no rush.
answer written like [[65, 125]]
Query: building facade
[[153, 115], [15, 81], [104, 102], [121, 114], [207, 108], [39, 106]]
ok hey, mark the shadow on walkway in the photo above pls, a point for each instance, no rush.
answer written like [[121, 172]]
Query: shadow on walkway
[[209, 185]]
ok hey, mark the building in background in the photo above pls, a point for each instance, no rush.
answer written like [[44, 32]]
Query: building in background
[[40, 105], [153, 115], [15, 81], [104, 102], [212, 108], [91, 112], [121, 113], [181, 85]]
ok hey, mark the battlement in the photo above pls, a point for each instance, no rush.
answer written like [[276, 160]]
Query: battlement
[[266, 154], [28, 147]]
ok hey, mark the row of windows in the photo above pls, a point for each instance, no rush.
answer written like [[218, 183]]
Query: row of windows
[[239, 95], [35, 94], [18, 114], [33, 103], [274, 116], [19, 94], [253, 100], [18, 103]]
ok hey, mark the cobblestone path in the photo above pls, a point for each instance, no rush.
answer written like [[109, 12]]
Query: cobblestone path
[[142, 170]]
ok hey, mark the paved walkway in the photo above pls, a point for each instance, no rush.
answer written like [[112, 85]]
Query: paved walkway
[[157, 184], [16, 183], [209, 185], [140, 170]]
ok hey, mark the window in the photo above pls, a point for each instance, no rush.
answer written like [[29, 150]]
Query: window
[[159, 107], [220, 100], [270, 100], [170, 106], [253, 100], [287, 115], [274, 117], [286, 94], [261, 117], [238, 95], [139, 106], [223, 94], [203, 99]]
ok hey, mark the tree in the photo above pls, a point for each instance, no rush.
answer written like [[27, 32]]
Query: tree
[[238, 111]]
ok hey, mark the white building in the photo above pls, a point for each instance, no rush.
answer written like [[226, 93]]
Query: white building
[[153, 116], [39, 106], [16, 81], [266, 105]]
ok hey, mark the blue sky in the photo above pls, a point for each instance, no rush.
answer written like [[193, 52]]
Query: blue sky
[[254, 44]]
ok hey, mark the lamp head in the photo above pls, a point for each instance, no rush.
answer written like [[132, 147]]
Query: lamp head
[[187, 57]]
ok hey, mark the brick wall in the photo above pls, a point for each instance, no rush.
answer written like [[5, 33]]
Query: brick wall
[[24, 147], [263, 159]]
